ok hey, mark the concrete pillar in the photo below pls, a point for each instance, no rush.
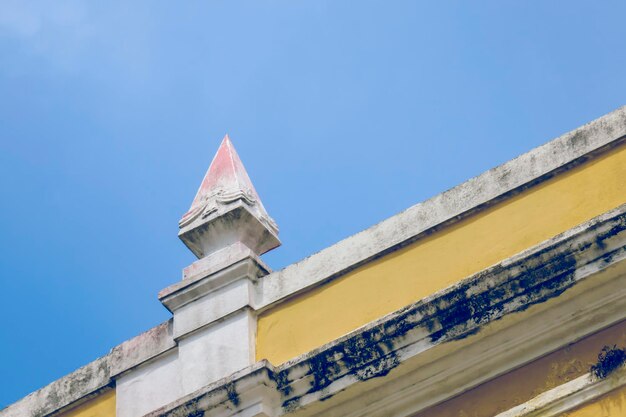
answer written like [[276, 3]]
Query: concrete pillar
[[214, 326]]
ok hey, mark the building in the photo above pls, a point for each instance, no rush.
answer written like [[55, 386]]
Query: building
[[504, 296]]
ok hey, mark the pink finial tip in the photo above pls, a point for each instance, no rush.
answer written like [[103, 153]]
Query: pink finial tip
[[226, 209], [226, 173]]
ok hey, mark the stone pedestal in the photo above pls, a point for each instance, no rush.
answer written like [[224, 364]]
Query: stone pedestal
[[214, 316]]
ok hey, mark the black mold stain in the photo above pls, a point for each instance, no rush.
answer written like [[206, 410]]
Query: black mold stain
[[282, 382], [193, 410], [291, 405], [233, 397], [609, 359], [462, 310], [197, 413], [579, 138], [365, 356], [378, 368]]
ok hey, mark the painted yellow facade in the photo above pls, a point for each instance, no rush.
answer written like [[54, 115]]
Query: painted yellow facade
[[527, 382], [102, 405], [437, 261]]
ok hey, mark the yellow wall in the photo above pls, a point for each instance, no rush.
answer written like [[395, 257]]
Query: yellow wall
[[101, 406], [525, 383], [438, 261], [612, 404]]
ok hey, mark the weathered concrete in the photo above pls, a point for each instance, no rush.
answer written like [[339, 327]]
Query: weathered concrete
[[149, 386], [217, 350], [213, 307], [94, 376], [64, 391], [142, 348], [239, 263], [215, 262]]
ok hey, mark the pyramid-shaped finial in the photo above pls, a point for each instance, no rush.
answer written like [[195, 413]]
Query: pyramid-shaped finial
[[227, 209]]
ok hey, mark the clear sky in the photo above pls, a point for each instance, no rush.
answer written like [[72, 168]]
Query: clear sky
[[344, 114]]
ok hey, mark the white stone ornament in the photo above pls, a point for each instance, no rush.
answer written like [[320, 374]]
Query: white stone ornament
[[227, 210]]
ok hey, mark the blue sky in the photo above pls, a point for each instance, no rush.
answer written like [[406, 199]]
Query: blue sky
[[344, 114]]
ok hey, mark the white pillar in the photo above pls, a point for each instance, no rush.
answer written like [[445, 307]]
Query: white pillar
[[214, 328]]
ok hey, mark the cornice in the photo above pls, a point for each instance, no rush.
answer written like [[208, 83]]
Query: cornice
[[486, 325]]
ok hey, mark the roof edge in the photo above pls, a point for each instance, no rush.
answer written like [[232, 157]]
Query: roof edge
[[488, 188]]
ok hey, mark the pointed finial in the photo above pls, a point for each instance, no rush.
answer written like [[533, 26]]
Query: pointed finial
[[227, 209]]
